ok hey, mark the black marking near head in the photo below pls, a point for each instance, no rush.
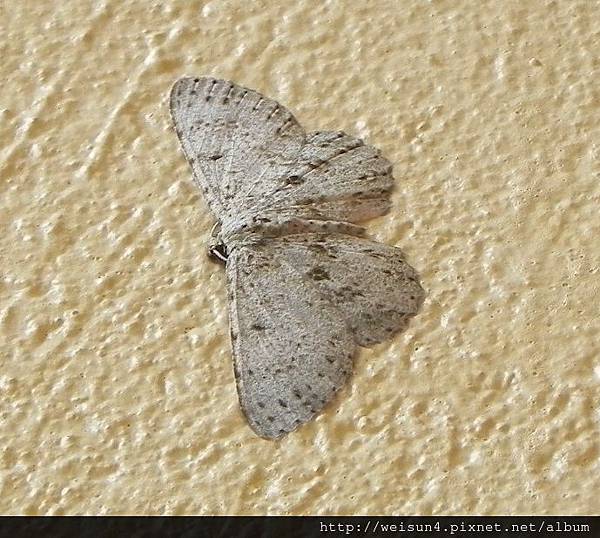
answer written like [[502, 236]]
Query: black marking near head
[[218, 253]]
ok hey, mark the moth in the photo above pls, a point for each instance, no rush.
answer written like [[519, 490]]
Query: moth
[[306, 287]]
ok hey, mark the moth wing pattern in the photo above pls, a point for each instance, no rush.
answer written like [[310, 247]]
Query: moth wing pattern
[[239, 143], [291, 349], [249, 155], [299, 307], [337, 177], [370, 284]]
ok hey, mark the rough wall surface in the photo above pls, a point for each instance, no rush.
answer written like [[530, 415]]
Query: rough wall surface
[[117, 390]]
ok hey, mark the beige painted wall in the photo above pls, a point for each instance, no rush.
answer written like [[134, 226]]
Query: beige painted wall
[[117, 391]]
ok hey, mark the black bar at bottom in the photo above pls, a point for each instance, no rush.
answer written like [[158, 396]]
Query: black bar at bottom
[[311, 526]]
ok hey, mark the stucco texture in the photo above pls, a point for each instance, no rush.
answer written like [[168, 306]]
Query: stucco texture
[[116, 380]]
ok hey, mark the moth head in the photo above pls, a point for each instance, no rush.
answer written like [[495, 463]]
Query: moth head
[[217, 249]]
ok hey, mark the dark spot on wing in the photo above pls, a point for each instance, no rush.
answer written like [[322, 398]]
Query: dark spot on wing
[[282, 403], [320, 249], [318, 273], [215, 157], [294, 180], [348, 292]]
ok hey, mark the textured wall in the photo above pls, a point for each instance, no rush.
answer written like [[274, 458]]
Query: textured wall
[[117, 390]]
